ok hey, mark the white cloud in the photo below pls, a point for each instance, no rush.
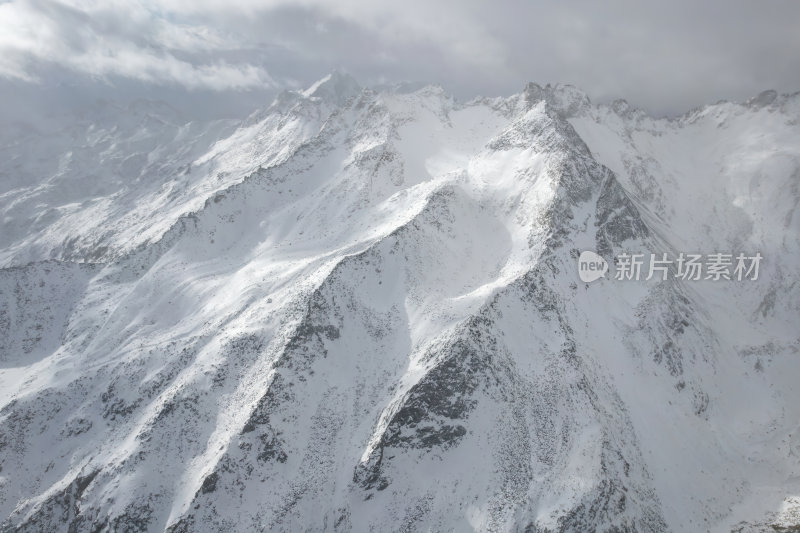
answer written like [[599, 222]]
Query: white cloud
[[665, 56], [118, 39]]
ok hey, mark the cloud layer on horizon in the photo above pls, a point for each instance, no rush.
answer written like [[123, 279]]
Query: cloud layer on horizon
[[665, 57]]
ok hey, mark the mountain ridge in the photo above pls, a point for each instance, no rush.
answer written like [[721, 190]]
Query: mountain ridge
[[345, 318]]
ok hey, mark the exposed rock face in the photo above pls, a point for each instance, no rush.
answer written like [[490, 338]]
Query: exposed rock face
[[361, 311]]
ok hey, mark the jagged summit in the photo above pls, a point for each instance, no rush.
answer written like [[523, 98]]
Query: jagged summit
[[566, 99], [359, 310], [336, 88]]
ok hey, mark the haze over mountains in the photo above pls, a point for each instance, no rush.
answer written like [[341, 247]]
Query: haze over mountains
[[359, 310]]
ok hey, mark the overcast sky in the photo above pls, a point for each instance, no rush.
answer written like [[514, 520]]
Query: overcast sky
[[222, 57]]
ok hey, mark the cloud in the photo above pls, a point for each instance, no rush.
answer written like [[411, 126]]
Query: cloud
[[664, 56], [117, 39]]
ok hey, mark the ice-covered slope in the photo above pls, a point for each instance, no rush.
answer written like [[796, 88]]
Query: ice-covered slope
[[360, 310]]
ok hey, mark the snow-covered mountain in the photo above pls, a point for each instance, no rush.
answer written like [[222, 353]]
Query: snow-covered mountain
[[360, 310]]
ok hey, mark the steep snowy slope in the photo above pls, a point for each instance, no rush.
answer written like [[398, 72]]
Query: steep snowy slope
[[360, 311], [726, 178]]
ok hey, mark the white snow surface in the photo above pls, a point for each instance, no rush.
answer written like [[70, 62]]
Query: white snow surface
[[360, 311]]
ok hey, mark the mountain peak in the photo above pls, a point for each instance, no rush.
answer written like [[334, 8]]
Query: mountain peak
[[565, 99], [337, 87], [763, 99]]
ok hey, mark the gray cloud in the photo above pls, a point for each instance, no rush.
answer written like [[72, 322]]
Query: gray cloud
[[663, 56]]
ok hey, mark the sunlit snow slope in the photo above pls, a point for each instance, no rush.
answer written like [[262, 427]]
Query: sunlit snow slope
[[360, 311]]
